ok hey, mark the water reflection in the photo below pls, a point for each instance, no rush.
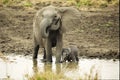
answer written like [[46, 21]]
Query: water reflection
[[71, 65], [52, 67], [18, 66], [49, 67], [35, 66]]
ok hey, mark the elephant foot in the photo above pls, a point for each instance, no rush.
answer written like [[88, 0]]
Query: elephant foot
[[49, 58], [49, 61], [43, 60], [59, 61], [34, 57], [62, 61]]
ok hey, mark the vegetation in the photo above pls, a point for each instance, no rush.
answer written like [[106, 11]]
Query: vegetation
[[53, 76], [77, 3], [26, 3], [48, 75]]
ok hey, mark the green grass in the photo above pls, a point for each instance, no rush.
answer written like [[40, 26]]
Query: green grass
[[25, 3], [84, 2], [28, 4], [47, 76], [77, 3]]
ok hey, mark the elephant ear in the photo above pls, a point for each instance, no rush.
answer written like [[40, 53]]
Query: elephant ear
[[70, 18], [37, 18]]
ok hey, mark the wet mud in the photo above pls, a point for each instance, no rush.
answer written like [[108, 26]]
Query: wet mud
[[97, 36]]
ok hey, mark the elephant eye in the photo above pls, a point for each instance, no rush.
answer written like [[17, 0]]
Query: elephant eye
[[55, 16]]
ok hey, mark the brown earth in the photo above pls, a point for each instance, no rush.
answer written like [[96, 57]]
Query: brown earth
[[96, 36]]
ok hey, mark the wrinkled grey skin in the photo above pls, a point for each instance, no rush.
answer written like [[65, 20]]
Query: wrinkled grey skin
[[48, 28], [70, 54]]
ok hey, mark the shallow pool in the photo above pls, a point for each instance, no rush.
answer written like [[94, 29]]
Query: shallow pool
[[17, 66]]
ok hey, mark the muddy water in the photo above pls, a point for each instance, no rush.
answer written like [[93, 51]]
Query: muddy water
[[16, 67]]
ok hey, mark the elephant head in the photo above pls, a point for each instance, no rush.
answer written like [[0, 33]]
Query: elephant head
[[53, 18], [70, 54], [65, 54]]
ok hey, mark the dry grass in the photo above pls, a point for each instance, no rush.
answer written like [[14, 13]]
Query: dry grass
[[48, 75], [53, 76], [77, 3], [3, 57]]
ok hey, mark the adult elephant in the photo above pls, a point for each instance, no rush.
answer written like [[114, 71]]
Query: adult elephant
[[48, 28]]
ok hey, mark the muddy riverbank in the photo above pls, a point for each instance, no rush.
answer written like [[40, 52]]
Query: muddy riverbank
[[96, 36]]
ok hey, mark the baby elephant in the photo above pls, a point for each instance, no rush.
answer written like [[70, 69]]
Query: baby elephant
[[70, 54]]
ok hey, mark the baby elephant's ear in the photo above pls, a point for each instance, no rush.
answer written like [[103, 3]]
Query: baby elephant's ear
[[70, 17]]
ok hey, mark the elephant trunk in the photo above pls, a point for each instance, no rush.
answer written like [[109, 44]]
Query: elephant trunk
[[44, 27], [56, 24]]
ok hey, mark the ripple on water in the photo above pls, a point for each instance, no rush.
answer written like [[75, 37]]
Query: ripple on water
[[16, 67]]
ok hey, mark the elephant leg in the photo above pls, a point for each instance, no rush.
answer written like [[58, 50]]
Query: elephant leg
[[44, 56], [77, 59], [59, 49], [73, 58], [48, 50], [35, 66], [36, 48], [69, 58]]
